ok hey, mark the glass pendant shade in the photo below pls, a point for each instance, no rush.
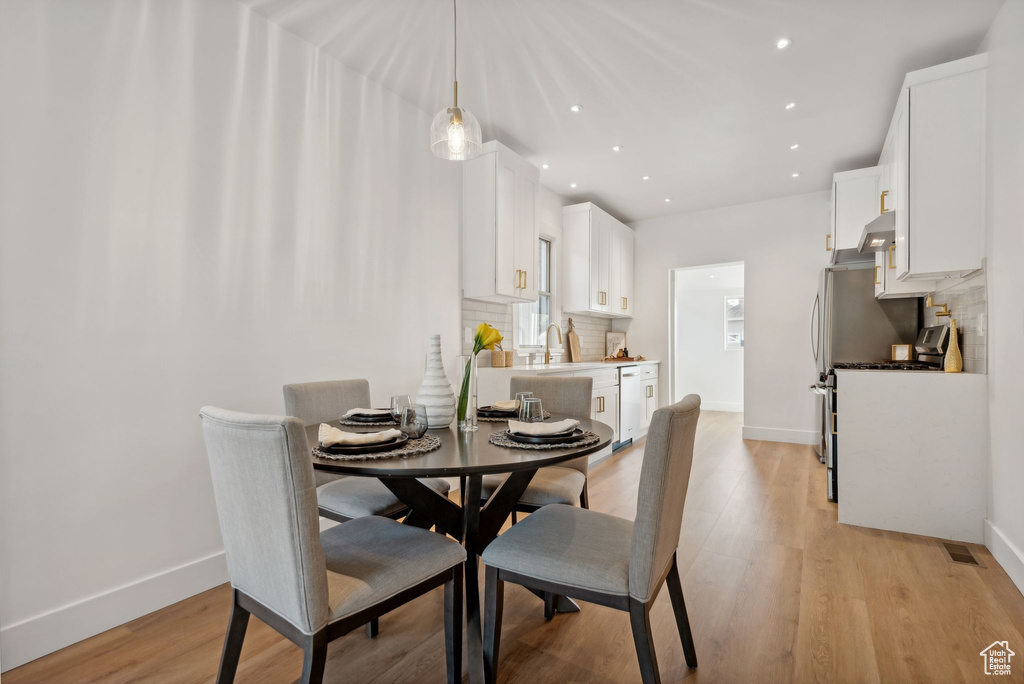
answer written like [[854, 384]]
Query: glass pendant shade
[[455, 134]]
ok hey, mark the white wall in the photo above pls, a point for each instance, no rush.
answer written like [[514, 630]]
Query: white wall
[[700, 360], [1004, 535], [196, 208], [781, 244]]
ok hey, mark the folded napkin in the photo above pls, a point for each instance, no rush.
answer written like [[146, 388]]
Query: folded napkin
[[367, 412], [510, 405], [541, 429], [330, 436]]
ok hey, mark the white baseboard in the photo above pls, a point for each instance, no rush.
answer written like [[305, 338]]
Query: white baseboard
[[766, 434], [1004, 551], [729, 406], [36, 636]]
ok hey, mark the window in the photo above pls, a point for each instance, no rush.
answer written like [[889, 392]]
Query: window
[[533, 318], [734, 322]]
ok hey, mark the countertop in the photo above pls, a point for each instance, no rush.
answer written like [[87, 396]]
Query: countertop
[[587, 365], [903, 372]]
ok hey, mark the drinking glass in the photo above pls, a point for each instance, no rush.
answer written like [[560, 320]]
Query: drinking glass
[[519, 398], [531, 410], [414, 421], [398, 404]]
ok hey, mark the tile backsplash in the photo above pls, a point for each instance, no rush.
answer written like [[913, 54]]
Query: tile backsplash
[[968, 302], [591, 329]]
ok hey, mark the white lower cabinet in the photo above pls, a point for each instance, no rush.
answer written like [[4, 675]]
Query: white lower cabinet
[[648, 395]]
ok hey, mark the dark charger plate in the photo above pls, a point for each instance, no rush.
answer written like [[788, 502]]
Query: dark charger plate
[[491, 412], [381, 418], [351, 449], [562, 438]]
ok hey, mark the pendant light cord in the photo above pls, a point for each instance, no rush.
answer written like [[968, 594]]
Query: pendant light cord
[[455, 50]]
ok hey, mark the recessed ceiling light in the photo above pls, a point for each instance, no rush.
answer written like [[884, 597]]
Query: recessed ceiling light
[[545, 165], [711, 276], [668, 199], [796, 175], [791, 105], [783, 43], [792, 147], [572, 185], [576, 108], [645, 178], [617, 148]]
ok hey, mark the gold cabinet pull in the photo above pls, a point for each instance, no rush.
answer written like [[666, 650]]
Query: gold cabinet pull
[[882, 202], [650, 391], [626, 305], [835, 431], [877, 282], [827, 238], [600, 405], [892, 264], [519, 278], [526, 280]]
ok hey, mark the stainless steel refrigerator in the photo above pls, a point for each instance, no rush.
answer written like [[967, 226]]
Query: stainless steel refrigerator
[[848, 325]]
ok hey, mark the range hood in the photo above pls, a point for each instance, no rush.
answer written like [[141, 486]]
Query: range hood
[[878, 234]]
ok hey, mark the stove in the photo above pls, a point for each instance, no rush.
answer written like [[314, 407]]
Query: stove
[[887, 365]]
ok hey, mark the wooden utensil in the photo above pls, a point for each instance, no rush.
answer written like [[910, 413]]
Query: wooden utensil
[[573, 340]]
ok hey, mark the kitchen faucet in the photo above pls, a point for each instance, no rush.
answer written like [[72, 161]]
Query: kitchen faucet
[[547, 342]]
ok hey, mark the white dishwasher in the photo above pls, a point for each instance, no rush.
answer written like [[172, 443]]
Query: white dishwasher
[[630, 402]]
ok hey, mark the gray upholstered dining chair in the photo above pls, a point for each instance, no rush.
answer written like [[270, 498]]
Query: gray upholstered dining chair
[[561, 484], [312, 587], [567, 551], [339, 497]]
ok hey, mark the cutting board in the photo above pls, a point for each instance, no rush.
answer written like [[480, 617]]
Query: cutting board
[[573, 344]]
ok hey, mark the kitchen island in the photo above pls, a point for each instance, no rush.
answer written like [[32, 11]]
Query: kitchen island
[[912, 450]]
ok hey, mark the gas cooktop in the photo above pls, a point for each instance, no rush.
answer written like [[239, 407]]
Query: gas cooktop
[[886, 365]]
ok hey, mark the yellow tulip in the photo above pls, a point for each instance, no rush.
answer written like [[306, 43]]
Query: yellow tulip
[[486, 338]]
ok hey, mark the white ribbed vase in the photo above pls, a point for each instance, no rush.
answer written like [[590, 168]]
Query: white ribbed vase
[[436, 393]]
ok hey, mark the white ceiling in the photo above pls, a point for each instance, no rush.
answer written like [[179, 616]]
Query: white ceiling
[[693, 90]]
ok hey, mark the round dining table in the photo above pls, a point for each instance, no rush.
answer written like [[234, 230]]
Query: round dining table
[[468, 456]]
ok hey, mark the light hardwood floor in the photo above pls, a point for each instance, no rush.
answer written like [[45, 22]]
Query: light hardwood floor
[[776, 589]]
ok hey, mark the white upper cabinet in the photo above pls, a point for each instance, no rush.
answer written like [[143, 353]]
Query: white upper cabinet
[[854, 204], [597, 262], [937, 167], [499, 229]]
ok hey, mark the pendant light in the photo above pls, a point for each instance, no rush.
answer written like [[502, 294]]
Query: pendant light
[[455, 133]]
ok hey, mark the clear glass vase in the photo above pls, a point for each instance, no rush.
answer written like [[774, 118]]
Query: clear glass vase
[[466, 409]]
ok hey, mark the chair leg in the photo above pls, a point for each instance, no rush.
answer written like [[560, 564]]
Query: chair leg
[[453, 626], [640, 621], [233, 639], [373, 628], [584, 496], [314, 658], [494, 603], [675, 591], [549, 605], [515, 517]]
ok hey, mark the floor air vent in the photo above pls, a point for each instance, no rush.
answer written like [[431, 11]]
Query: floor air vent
[[959, 553]]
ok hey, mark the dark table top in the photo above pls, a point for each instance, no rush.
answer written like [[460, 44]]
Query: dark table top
[[461, 453]]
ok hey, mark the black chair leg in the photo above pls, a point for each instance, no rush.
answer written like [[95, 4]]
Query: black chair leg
[[549, 605], [640, 621], [675, 591], [515, 517], [237, 623], [453, 626], [373, 628], [584, 496], [494, 603], [314, 658]]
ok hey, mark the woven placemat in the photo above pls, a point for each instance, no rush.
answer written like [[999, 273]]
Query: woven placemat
[[500, 439], [391, 422], [547, 414], [414, 447]]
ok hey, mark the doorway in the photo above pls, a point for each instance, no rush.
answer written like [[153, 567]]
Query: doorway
[[707, 335]]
